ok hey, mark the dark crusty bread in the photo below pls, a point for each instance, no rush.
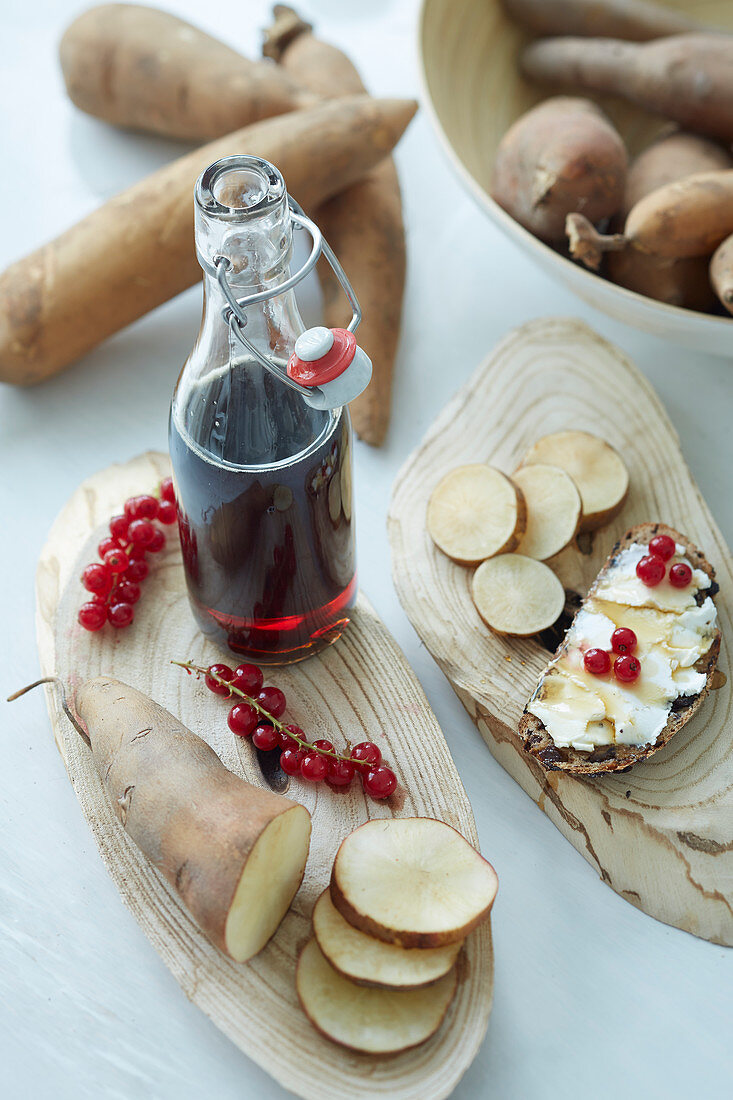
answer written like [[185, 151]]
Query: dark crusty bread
[[614, 758]]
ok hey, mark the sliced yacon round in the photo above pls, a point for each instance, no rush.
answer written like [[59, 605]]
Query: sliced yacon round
[[413, 881], [553, 510], [517, 595], [595, 467], [475, 512], [375, 1021], [369, 961]]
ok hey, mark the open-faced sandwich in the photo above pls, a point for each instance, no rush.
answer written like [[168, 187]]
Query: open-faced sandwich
[[636, 662]]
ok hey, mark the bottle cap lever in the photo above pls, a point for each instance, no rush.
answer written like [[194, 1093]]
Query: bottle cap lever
[[329, 366], [353, 376]]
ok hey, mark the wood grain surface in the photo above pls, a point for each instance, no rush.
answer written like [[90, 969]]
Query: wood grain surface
[[361, 688], [660, 835]]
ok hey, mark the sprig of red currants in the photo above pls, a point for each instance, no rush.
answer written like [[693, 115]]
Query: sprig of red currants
[[258, 715], [114, 582]]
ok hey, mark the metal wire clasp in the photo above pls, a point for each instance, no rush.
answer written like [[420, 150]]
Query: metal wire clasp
[[234, 311]]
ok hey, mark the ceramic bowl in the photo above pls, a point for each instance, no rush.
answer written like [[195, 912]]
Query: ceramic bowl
[[474, 93]]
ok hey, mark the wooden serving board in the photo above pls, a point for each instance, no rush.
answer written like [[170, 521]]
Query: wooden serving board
[[661, 835], [361, 688]]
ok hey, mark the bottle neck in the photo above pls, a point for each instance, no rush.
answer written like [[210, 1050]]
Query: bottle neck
[[226, 404]]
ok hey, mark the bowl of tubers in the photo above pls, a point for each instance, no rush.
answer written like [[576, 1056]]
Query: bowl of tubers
[[598, 135]]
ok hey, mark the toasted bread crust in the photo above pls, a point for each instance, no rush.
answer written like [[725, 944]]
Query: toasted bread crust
[[615, 758]]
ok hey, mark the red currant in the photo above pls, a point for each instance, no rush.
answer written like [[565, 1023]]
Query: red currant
[[92, 616], [290, 761], [627, 669], [225, 673], [680, 575], [288, 742], [663, 547], [97, 578], [650, 570], [340, 772], [166, 512], [380, 782], [623, 640], [242, 719], [137, 570], [141, 532], [157, 542], [116, 561], [125, 592], [248, 678], [141, 507], [366, 755], [108, 544], [167, 491], [266, 737], [324, 746], [120, 614], [597, 662], [313, 767], [118, 527], [272, 700]]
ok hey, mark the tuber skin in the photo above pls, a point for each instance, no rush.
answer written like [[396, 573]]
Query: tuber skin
[[682, 282], [145, 69], [672, 156], [137, 250], [687, 78], [690, 217], [562, 156], [363, 225], [195, 821], [632, 20], [721, 273]]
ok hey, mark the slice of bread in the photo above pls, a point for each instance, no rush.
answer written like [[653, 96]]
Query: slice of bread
[[614, 758]]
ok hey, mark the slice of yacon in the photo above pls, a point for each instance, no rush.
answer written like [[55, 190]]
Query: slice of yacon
[[373, 1021]]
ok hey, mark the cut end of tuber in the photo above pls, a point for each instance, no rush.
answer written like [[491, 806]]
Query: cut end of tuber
[[517, 595], [373, 1021], [587, 245], [268, 884], [553, 510], [412, 881], [474, 513], [595, 467]]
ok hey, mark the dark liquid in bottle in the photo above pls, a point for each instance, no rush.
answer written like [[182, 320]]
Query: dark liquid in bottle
[[268, 549]]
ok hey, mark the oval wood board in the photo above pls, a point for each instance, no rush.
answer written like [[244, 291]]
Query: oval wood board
[[660, 835], [360, 688]]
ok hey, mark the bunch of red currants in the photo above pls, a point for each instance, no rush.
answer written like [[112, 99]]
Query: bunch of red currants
[[114, 581]]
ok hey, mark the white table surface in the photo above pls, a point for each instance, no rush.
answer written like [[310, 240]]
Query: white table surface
[[593, 998]]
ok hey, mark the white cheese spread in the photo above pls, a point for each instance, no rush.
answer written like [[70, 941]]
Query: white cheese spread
[[583, 711]]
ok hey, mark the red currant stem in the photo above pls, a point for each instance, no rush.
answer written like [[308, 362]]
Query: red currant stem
[[61, 690], [189, 666]]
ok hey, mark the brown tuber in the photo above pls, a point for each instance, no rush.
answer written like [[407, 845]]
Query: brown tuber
[[561, 156], [721, 273], [683, 282], [687, 78], [139, 67], [137, 251], [633, 20], [235, 854]]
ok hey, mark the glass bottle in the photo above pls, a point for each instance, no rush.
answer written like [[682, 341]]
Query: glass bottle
[[263, 479]]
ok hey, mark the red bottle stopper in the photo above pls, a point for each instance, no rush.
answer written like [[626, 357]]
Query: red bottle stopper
[[321, 354]]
